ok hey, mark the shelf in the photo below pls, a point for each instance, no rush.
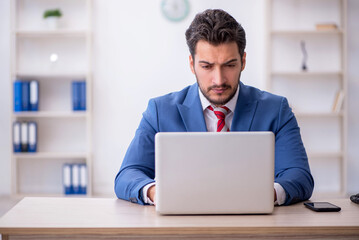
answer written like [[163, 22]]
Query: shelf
[[306, 32], [318, 115], [46, 155], [49, 114], [51, 33], [325, 154], [307, 74], [51, 75]]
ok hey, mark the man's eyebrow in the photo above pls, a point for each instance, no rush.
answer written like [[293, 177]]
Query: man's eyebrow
[[205, 62], [228, 62]]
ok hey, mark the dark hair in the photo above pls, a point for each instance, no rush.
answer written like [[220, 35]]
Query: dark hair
[[216, 27]]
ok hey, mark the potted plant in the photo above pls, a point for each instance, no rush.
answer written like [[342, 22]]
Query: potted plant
[[52, 17]]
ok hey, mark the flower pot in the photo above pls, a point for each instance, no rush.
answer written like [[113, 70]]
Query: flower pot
[[52, 23]]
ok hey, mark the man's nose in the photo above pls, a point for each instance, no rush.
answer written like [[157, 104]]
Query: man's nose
[[218, 78]]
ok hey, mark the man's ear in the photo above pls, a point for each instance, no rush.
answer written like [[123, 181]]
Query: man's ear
[[244, 61], [191, 63]]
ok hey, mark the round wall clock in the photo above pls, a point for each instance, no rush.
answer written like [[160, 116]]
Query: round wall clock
[[175, 10]]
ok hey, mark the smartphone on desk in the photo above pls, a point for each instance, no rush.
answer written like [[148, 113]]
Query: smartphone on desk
[[322, 207]]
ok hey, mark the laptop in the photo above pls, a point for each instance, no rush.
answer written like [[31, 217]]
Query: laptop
[[214, 173]]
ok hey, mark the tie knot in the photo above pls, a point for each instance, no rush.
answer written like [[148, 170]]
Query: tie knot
[[220, 112]]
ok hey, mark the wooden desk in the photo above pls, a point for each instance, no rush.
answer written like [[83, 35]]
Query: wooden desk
[[96, 218]]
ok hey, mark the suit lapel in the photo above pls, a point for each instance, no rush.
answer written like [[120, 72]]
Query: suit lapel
[[191, 111], [245, 109]]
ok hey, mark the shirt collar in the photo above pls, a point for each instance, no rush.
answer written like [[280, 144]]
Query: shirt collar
[[231, 104]]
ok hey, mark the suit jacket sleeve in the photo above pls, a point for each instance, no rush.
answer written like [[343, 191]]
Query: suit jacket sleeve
[[138, 166], [292, 170]]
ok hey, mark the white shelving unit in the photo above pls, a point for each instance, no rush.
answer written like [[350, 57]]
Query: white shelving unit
[[312, 93], [64, 135]]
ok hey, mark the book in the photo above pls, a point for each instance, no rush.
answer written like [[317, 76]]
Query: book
[[338, 101], [18, 96], [326, 26]]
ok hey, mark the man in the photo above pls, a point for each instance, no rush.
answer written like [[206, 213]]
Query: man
[[217, 102]]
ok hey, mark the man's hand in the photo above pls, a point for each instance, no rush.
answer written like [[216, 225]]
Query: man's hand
[[151, 194]]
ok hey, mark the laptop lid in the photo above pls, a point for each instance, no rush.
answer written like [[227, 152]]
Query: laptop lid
[[214, 173]]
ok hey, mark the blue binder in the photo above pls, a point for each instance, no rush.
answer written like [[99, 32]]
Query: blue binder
[[24, 137], [75, 178], [82, 95], [25, 96], [75, 96], [66, 178], [32, 126], [34, 95], [17, 136], [18, 96], [83, 179]]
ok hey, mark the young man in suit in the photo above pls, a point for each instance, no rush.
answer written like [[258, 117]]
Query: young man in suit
[[218, 101]]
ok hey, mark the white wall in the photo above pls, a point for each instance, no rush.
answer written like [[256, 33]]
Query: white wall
[[138, 55]]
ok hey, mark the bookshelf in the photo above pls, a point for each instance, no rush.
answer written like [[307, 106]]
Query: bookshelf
[[63, 135], [313, 32]]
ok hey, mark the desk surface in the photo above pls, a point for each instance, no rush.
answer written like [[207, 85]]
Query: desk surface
[[113, 216]]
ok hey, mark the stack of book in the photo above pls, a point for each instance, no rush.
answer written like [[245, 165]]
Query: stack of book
[[26, 95], [79, 95], [25, 136], [74, 178]]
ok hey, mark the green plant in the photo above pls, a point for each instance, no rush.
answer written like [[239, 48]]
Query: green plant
[[52, 13]]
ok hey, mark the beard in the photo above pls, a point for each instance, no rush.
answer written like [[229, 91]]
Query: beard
[[219, 99]]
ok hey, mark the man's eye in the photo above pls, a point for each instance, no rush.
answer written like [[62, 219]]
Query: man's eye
[[206, 66], [231, 65]]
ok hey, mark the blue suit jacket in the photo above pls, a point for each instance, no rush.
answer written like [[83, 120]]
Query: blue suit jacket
[[182, 112]]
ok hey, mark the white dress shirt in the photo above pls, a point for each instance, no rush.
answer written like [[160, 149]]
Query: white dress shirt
[[211, 123]]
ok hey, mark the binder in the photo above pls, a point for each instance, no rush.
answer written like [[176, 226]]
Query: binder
[[75, 96], [34, 95], [82, 86], [32, 136], [18, 96], [75, 177], [66, 178], [24, 137], [25, 96], [83, 179], [17, 136]]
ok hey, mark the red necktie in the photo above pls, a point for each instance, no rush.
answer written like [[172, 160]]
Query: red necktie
[[221, 113]]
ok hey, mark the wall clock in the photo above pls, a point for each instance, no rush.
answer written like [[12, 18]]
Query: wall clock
[[175, 10]]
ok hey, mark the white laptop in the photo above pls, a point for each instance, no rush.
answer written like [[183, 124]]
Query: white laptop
[[214, 173]]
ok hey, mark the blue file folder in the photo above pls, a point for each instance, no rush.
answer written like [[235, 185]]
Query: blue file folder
[[66, 178], [25, 96], [32, 126], [17, 136], [34, 95], [75, 96], [24, 137], [83, 179], [82, 95], [17, 96], [75, 178]]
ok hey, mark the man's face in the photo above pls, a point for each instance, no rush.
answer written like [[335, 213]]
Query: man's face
[[217, 69]]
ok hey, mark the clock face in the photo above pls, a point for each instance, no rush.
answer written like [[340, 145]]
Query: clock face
[[175, 10]]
